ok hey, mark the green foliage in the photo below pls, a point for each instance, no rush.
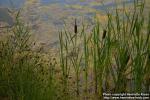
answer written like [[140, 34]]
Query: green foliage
[[20, 68]]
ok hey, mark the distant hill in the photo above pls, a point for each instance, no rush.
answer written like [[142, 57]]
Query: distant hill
[[5, 18], [11, 3]]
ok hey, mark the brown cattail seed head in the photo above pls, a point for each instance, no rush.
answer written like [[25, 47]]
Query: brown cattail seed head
[[104, 34], [75, 27]]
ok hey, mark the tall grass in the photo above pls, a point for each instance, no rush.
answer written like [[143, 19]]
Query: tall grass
[[22, 76], [119, 55]]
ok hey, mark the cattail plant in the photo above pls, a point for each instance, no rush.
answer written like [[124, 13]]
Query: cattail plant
[[104, 34], [75, 30], [75, 27]]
